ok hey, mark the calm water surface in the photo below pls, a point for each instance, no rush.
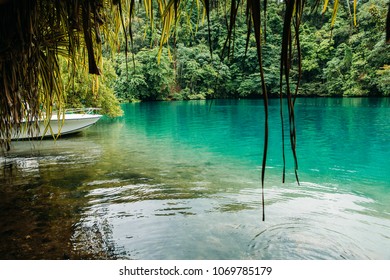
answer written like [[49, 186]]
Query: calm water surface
[[181, 180]]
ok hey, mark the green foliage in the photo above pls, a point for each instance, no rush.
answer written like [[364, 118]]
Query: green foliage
[[145, 79], [348, 60], [199, 74], [382, 80], [83, 90], [339, 61]]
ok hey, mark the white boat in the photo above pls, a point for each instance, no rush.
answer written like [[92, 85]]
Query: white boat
[[73, 121]]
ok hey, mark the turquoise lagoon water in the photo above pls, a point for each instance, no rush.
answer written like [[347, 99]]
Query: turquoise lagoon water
[[181, 180]]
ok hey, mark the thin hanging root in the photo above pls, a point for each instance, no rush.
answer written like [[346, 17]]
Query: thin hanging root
[[388, 26], [254, 7], [285, 65]]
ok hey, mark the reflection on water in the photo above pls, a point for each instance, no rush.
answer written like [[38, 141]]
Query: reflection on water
[[38, 197], [181, 181], [326, 224], [304, 223]]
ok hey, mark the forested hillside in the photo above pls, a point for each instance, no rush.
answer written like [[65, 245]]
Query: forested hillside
[[345, 60]]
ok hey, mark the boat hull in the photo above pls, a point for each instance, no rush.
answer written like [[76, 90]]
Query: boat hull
[[73, 123]]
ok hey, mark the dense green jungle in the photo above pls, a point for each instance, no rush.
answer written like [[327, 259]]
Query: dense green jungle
[[339, 60]]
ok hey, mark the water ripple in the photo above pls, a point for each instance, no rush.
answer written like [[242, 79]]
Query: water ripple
[[301, 240]]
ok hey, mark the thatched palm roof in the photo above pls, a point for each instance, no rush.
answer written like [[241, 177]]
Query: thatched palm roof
[[33, 34]]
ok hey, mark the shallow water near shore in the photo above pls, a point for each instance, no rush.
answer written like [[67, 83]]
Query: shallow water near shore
[[181, 180]]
